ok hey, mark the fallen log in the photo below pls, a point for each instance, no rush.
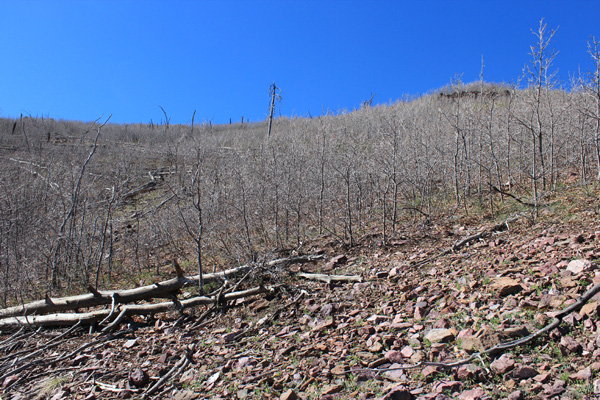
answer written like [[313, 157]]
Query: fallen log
[[157, 290], [66, 319], [331, 278]]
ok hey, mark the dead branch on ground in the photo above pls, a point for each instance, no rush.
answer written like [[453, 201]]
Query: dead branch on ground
[[331, 278]]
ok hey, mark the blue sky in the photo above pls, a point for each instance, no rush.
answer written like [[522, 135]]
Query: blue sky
[[83, 59]]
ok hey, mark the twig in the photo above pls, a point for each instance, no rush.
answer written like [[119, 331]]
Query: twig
[[525, 203], [110, 327], [176, 370], [112, 310]]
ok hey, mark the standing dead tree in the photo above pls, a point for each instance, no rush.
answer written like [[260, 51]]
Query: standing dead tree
[[592, 89], [541, 80], [275, 94]]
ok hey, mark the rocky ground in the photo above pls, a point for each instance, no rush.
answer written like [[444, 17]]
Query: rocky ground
[[401, 333]]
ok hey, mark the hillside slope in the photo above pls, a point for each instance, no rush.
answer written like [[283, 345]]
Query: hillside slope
[[418, 303]]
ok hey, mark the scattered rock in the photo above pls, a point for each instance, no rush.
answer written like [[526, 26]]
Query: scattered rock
[[335, 262], [578, 266], [582, 375], [138, 377], [468, 372], [394, 356], [524, 372], [429, 372], [397, 375], [542, 378], [324, 325], [474, 394], [503, 364], [243, 362], [398, 393], [554, 390], [440, 335], [516, 332], [288, 395], [516, 395], [331, 389], [339, 369], [407, 352], [417, 357], [568, 345], [447, 386], [505, 286], [186, 395], [590, 309]]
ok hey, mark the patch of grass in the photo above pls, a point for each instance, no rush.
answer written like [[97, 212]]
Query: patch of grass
[[49, 386]]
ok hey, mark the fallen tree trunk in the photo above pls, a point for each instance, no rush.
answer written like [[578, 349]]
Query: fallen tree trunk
[[157, 290], [331, 278], [65, 319]]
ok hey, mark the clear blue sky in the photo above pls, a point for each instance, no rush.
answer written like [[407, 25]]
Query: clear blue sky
[[86, 59]]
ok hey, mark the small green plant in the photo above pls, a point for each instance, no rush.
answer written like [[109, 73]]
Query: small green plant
[[51, 385]]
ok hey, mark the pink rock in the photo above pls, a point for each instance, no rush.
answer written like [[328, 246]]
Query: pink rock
[[474, 394], [407, 352], [243, 362], [429, 372], [569, 345], [394, 356], [366, 330], [443, 386], [396, 375], [399, 392], [468, 372], [516, 395], [331, 389], [505, 286], [524, 372], [503, 364], [554, 390], [541, 378], [288, 395], [9, 380], [582, 375], [465, 333], [420, 313], [440, 335], [578, 266]]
